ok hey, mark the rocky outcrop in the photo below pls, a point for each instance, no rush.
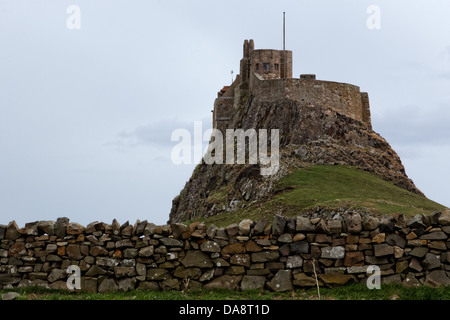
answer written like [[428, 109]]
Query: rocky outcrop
[[309, 135]]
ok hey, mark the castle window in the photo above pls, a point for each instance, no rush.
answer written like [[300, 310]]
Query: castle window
[[266, 66], [257, 66], [276, 66]]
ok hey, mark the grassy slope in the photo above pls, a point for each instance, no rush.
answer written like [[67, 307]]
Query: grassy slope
[[332, 187]]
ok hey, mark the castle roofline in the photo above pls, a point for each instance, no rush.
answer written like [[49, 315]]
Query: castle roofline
[[271, 50], [301, 78]]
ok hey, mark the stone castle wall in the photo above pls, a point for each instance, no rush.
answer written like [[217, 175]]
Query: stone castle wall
[[341, 97], [366, 116], [222, 112], [279, 255]]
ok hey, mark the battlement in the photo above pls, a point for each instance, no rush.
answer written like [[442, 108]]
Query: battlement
[[308, 77], [267, 75], [344, 98]]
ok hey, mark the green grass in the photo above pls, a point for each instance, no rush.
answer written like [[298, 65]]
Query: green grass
[[332, 187], [349, 292], [220, 196]]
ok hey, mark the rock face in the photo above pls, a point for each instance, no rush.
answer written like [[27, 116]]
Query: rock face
[[309, 135]]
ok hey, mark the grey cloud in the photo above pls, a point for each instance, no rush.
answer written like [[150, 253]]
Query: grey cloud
[[447, 52], [156, 134], [413, 125], [443, 75]]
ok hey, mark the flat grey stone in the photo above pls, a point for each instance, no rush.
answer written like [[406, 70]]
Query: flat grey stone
[[10, 296], [282, 281], [294, 262], [333, 252], [253, 282]]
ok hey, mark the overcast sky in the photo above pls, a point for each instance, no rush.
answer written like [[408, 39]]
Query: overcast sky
[[86, 114]]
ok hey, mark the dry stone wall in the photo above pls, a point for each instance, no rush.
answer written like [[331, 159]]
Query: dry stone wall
[[278, 255]]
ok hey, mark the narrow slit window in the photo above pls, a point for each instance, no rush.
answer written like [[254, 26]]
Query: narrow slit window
[[257, 66], [276, 66]]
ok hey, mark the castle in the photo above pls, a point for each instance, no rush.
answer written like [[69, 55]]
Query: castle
[[319, 123], [266, 74]]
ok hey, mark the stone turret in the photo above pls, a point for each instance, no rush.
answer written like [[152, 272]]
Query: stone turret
[[249, 46]]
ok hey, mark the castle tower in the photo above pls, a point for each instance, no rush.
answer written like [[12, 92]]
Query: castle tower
[[249, 46], [266, 63]]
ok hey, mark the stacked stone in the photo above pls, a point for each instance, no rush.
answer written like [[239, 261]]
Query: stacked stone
[[282, 255]]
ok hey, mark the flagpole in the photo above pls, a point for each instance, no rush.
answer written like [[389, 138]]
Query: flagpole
[[284, 31], [284, 44]]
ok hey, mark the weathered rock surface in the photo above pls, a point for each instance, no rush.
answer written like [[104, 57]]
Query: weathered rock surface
[[437, 278], [253, 282], [10, 296], [195, 258], [333, 252], [224, 282], [282, 281], [108, 285]]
